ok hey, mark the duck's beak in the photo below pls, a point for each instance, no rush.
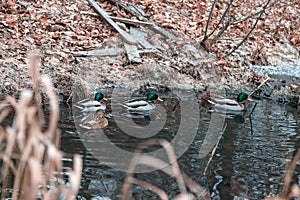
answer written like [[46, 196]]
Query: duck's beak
[[105, 99], [249, 99], [159, 99]]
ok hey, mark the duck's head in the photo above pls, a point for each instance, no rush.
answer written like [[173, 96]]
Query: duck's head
[[99, 96], [153, 96], [243, 97]]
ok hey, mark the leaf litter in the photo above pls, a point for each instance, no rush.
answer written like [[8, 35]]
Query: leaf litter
[[58, 29]]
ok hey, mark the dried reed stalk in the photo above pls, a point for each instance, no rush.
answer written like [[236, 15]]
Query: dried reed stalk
[[288, 178], [288, 191], [183, 181], [31, 163], [162, 194]]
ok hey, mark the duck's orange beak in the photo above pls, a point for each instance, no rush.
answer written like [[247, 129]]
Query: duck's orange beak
[[249, 99], [159, 99], [105, 99]]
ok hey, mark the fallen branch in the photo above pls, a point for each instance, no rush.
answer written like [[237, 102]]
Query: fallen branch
[[120, 19], [101, 12], [131, 21]]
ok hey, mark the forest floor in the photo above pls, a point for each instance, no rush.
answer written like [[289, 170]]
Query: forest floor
[[57, 29]]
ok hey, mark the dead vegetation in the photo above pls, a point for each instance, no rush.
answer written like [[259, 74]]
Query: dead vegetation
[[64, 30], [290, 190], [188, 188], [31, 162], [31, 165]]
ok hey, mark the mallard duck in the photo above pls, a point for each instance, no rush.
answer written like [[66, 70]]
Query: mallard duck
[[229, 104], [94, 120], [87, 105], [142, 106]]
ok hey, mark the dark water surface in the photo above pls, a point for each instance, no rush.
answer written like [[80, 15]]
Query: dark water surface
[[250, 161]]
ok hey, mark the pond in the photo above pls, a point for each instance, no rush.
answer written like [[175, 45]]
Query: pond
[[249, 163]]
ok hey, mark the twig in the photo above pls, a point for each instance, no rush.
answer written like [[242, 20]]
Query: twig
[[224, 28], [120, 19], [251, 16], [247, 17], [208, 20], [214, 150], [131, 21], [220, 33], [70, 96], [249, 33], [289, 174], [136, 11], [259, 86], [252, 109]]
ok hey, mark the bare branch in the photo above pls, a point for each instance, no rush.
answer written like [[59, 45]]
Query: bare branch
[[249, 33], [253, 15], [208, 20], [222, 18], [220, 32]]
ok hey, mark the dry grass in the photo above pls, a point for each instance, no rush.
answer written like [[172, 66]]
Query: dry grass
[[31, 162], [289, 191], [188, 188]]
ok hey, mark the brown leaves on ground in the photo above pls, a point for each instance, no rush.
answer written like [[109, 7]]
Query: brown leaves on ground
[[58, 28]]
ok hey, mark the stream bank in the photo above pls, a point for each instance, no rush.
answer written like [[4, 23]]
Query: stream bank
[[186, 67], [183, 63]]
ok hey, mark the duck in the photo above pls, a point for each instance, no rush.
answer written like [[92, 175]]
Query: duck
[[140, 106], [87, 105], [94, 120], [228, 104]]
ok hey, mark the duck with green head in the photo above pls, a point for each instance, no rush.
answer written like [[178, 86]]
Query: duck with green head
[[87, 105], [141, 106], [232, 105]]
